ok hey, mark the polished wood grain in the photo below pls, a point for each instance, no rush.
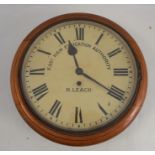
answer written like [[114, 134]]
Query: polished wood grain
[[62, 137]]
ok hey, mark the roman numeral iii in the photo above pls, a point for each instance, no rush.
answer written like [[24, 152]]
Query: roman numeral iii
[[59, 38], [56, 108], [120, 71], [116, 92], [79, 33], [39, 71], [40, 91], [78, 115]]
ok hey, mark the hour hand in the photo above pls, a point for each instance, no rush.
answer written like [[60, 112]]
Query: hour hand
[[72, 51]]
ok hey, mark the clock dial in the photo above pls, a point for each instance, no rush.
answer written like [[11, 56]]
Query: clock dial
[[79, 76]]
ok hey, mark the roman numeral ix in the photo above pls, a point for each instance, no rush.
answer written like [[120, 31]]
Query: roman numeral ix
[[56, 108], [79, 33], [78, 115], [120, 71], [40, 91], [116, 92]]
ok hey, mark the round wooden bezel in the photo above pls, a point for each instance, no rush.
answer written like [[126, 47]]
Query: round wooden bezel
[[72, 139]]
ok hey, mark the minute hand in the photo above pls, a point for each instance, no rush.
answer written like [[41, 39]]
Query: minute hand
[[92, 79]]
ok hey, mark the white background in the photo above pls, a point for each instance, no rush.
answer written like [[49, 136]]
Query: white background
[[16, 21]]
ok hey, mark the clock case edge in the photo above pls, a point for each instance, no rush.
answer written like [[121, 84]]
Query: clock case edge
[[72, 139]]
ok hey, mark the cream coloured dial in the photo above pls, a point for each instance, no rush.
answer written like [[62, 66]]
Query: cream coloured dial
[[79, 76]]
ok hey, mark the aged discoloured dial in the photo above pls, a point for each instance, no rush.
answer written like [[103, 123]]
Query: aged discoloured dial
[[79, 76]]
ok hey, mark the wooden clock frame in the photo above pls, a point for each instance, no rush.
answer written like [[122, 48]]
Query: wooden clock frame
[[69, 138]]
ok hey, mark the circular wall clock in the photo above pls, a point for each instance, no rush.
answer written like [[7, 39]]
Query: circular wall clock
[[78, 79]]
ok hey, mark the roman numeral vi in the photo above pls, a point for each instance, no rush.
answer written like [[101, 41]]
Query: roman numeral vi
[[78, 115]]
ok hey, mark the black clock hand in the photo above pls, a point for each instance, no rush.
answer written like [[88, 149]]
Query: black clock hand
[[72, 51], [80, 71]]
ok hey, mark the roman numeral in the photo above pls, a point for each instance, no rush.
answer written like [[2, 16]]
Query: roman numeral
[[99, 38], [120, 71], [39, 71], [59, 37], [114, 52], [116, 92], [79, 33], [78, 115], [102, 109], [40, 91], [44, 52], [56, 108]]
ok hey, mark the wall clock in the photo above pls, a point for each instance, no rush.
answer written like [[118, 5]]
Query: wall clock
[[78, 79]]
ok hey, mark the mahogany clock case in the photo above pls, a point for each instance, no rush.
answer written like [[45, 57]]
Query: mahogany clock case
[[70, 138]]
